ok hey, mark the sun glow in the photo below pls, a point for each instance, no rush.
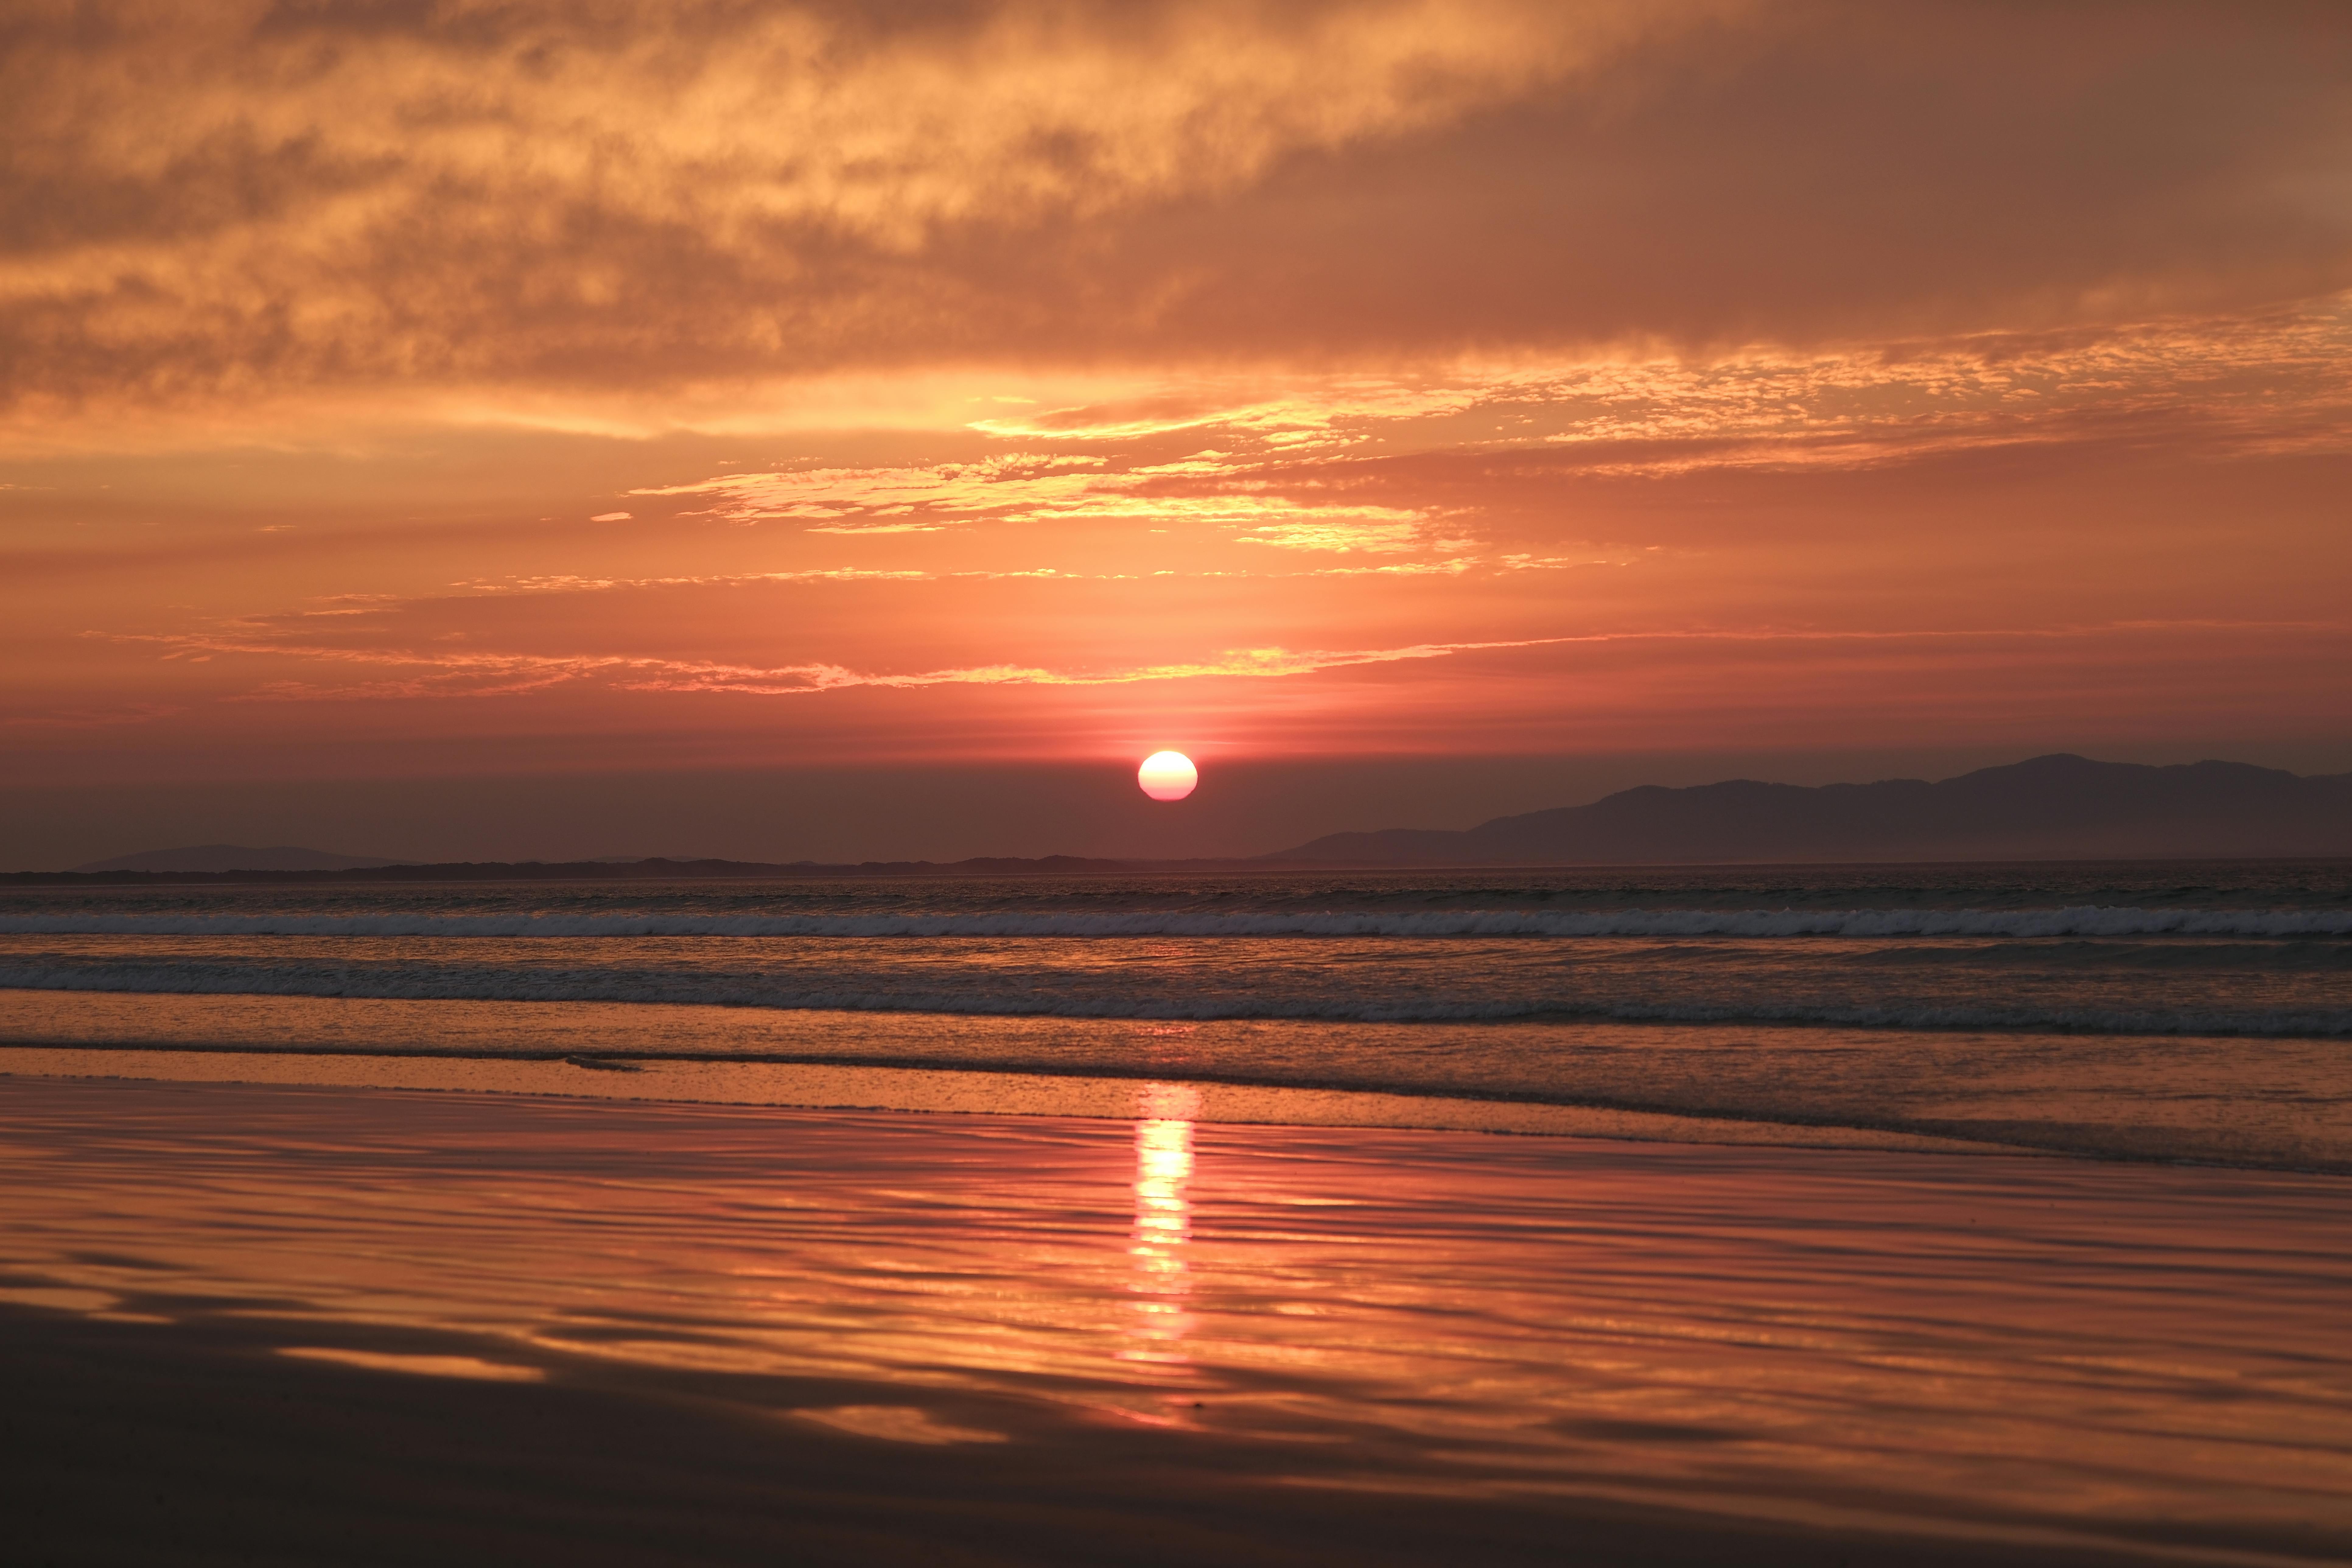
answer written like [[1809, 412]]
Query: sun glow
[[1168, 776]]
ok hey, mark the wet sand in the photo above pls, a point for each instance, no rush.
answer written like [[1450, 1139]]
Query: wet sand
[[195, 1446], [303, 1324], [2282, 1103]]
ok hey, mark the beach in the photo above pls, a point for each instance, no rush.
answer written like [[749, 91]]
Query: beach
[[255, 1322], [1872, 1215]]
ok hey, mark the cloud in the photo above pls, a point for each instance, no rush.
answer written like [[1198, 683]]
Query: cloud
[[568, 583], [446, 673], [232, 190], [1428, 465], [451, 673], [1034, 488], [1364, 531], [1018, 483], [203, 205]]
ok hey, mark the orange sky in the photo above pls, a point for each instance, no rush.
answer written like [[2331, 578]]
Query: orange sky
[[490, 391]]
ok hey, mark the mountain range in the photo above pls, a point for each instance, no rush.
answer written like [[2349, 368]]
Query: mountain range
[[2058, 808], [2054, 808]]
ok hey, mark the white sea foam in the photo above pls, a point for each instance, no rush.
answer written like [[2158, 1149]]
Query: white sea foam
[[2085, 920]]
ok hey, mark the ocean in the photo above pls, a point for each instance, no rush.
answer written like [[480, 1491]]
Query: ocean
[[2187, 1011]]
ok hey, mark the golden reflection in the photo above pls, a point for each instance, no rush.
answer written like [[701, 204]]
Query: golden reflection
[[897, 1424], [1160, 1280], [465, 1366], [1626, 1318]]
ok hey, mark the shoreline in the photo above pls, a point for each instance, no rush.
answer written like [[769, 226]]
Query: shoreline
[[903, 1088], [2272, 1104]]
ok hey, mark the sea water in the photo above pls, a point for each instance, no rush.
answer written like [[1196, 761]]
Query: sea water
[[2194, 1011], [1904, 1327]]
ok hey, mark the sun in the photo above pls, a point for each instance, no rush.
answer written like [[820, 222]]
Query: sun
[[1168, 776]]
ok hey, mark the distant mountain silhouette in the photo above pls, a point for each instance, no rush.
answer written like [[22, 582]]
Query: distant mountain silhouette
[[2058, 807], [2054, 807], [236, 857]]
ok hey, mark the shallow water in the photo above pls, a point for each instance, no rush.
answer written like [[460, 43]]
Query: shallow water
[[2184, 1012], [2263, 949], [2282, 1104]]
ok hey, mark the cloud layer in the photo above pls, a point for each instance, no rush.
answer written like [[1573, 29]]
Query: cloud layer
[[239, 201]]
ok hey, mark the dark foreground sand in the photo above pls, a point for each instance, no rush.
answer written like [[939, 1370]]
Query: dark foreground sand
[[196, 1444], [271, 1324]]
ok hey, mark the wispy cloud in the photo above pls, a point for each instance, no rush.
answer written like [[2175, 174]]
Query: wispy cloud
[[461, 673], [773, 169], [1036, 488], [471, 674], [566, 583], [106, 718]]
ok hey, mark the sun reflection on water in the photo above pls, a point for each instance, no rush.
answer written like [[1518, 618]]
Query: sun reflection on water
[[1160, 1277], [1637, 1321]]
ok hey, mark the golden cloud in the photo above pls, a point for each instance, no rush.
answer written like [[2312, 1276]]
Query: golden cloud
[[542, 210]]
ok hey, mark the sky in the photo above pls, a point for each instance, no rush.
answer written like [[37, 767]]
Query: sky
[[833, 431]]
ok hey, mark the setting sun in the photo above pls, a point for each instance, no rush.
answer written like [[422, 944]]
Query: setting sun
[[1168, 776]]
